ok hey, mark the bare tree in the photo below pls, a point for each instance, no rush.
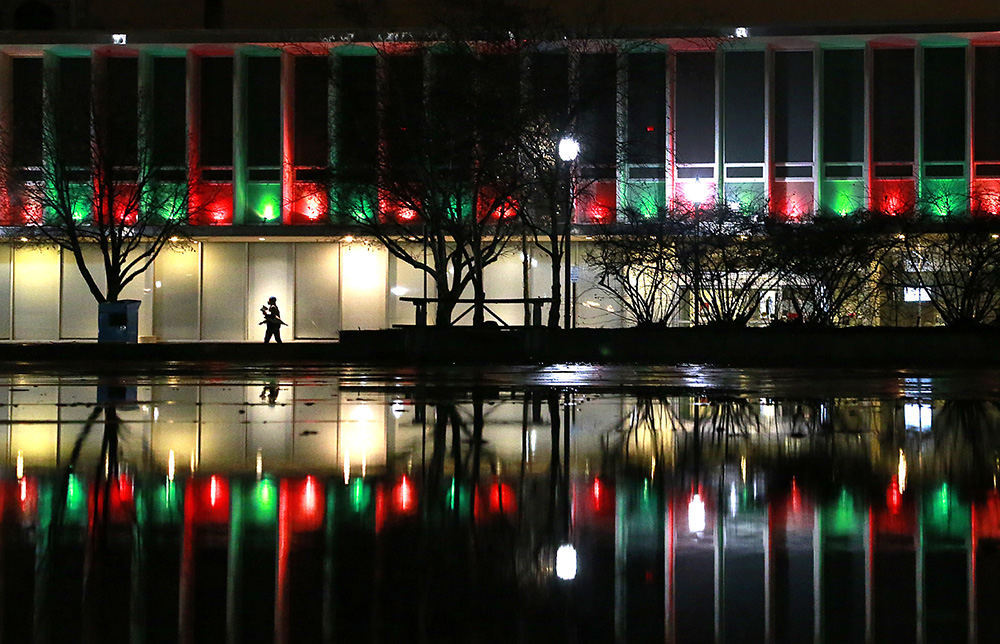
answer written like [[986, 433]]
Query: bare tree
[[834, 265], [99, 186], [636, 263], [450, 179], [955, 261], [725, 260]]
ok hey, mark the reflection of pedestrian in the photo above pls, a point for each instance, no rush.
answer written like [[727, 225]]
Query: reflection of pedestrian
[[270, 392], [272, 318]]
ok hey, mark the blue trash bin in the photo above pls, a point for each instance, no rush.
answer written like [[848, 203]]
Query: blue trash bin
[[118, 321]]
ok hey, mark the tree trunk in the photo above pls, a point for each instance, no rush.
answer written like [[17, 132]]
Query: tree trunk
[[479, 306], [446, 302]]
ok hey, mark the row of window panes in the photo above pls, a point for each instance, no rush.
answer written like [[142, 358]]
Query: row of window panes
[[944, 105]]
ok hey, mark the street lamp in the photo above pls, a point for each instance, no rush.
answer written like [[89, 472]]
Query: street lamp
[[569, 148]]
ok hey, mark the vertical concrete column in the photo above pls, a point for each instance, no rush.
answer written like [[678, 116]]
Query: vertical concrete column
[[918, 121], [192, 110], [817, 143], [333, 108], [720, 124], [621, 128], [970, 122], [241, 172], [868, 171], [288, 195], [769, 126], [670, 152], [99, 116], [145, 102], [6, 143]]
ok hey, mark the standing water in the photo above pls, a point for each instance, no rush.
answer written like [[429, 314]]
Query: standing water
[[567, 503]]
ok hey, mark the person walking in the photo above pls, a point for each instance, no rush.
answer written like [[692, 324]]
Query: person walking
[[272, 318]]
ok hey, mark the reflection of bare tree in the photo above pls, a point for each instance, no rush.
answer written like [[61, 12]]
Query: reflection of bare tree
[[644, 432], [101, 572], [966, 437], [733, 416]]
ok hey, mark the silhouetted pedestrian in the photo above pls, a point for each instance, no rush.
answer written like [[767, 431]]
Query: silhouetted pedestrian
[[272, 318]]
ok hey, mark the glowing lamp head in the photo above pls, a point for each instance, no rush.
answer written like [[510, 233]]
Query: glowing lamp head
[[566, 562], [568, 148]]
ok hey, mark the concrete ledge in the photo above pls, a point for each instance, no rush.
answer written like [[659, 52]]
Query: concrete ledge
[[882, 347]]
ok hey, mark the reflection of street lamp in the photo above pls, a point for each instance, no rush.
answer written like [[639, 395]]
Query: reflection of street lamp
[[569, 148], [566, 562]]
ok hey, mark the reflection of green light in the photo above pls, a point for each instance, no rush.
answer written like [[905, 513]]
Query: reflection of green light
[[360, 495], [76, 500], [265, 501], [845, 519], [456, 499], [166, 503], [946, 516]]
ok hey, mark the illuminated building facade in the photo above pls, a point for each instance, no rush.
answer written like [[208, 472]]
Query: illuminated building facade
[[801, 119]]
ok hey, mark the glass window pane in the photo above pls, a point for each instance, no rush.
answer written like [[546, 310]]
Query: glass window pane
[[793, 106], [694, 110], [312, 74], [217, 111], [987, 122], [744, 105], [27, 111], [72, 112], [263, 111], [944, 104], [597, 122], [843, 105], [123, 109], [646, 108], [169, 117], [892, 109]]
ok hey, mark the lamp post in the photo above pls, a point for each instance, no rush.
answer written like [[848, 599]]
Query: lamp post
[[569, 148]]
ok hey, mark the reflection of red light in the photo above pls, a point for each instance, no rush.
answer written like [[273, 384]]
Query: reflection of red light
[[987, 516], [402, 496], [595, 493], [796, 498], [309, 494], [501, 498], [211, 499], [379, 508], [23, 491], [306, 497], [893, 497]]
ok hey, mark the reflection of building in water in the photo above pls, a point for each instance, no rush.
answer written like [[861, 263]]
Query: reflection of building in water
[[695, 518]]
